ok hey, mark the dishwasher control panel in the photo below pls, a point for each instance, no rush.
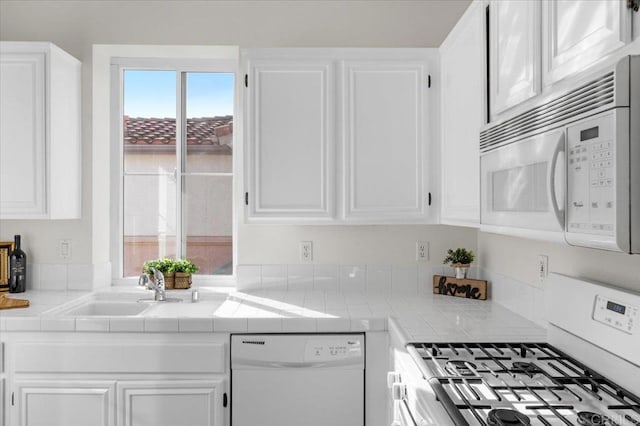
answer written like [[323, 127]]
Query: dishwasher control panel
[[326, 349]]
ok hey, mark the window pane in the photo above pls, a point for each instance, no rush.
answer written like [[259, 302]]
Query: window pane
[[209, 111], [149, 121], [149, 220], [209, 224]]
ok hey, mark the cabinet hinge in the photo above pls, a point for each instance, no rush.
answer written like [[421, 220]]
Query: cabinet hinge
[[633, 4], [246, 198], [224, 399], [429, 198], [246, 80], [429, 81]]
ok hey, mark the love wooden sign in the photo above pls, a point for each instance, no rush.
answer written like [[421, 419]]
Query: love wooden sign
[[467, 288]]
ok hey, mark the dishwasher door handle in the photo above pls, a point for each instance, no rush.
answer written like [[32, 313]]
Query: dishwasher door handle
[[252, 364]]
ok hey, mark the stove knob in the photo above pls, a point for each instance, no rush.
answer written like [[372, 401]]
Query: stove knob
[[392, 377], [399, 391]]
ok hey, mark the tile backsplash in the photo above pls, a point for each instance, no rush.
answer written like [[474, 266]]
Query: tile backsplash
[[68, 276], [389, 279]]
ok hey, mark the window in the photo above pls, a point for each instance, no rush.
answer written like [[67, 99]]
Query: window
[[176, 174]]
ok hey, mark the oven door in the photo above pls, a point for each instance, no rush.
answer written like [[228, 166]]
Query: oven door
[[402, 415], [523, 185]]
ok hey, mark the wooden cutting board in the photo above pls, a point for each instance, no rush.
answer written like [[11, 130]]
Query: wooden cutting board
[[9, 303]]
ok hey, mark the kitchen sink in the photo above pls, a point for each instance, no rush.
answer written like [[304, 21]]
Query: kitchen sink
[[107, 308]]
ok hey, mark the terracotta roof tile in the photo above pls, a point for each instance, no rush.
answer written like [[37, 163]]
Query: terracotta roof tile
[[204, 131]]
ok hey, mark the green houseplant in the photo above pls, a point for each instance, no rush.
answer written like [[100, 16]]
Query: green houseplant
[[183, 269], [166, 266], [460, 259]]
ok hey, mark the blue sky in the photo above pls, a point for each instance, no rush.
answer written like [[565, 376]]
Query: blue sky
[[153, 94]]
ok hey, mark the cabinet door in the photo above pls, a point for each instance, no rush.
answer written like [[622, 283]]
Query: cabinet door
[[462, 62], [64, 402], [383, 150], [22, 134], [291, 139], [514, 51], [170, 403], [3, 406], [578, 33]]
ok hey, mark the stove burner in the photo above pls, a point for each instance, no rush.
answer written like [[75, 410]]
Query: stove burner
[[528, 368], [587, 418], [461, 367], [507, 417]]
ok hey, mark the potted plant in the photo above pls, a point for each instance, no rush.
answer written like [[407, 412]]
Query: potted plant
[[460, 259], [183, 269], [166, 266]]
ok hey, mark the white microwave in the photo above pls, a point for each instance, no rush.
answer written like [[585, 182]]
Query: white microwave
[[568, 169]]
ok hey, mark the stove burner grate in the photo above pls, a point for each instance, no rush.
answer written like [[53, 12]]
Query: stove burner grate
[[527, 368], [462, 367], [507, 417], [556, 384]]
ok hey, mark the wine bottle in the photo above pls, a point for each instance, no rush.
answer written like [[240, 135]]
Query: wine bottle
[[17, 268]]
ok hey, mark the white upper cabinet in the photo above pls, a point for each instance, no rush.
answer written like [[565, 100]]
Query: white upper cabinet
[[383, 139], [336, 135], [463, 112], [291, 139], [514, 53], [40, 152], [578, 33]]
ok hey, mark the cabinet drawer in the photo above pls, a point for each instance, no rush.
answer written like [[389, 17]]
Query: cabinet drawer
[[89, 357]]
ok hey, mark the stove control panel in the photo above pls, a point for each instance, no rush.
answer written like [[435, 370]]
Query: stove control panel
[[616, 314]]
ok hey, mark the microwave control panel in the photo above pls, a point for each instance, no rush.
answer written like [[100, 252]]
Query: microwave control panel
[[591, 177]]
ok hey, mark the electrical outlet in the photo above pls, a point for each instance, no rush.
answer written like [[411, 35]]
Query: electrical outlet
[[306, 251], [543, 266], [64, 249], [422, 251]]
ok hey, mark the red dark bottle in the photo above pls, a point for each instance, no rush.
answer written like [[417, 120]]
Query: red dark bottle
[[17, 268]]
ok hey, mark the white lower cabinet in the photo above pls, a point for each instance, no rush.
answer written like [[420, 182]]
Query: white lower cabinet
[[128, 379], [63, 402], [170, 403], [72, 402], [3, 408]]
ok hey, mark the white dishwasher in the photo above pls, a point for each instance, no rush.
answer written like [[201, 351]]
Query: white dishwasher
[[297, 379]]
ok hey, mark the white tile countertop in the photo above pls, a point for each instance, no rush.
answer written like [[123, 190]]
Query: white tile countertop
[[422, 317]]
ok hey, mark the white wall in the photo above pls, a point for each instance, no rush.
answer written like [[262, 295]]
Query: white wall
[[76, 25], [518, 258]]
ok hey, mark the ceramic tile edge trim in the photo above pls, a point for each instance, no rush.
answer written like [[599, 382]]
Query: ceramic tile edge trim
[[385, 279], [192, 325], [68, 276]]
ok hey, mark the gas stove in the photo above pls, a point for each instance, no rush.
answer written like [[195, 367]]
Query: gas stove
[[586, 373], [522, 384]]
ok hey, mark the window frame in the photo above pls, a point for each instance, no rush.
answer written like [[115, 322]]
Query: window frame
[[118, 65]]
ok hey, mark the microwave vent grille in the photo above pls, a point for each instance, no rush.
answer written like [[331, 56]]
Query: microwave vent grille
[[585, 99]]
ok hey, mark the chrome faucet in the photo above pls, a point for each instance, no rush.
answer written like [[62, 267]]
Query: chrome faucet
[[157, 284]]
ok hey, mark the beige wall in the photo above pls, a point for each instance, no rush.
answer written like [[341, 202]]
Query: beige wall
[[76, 26], [518, 258]]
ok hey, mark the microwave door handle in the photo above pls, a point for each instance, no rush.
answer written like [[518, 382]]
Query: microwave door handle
[[552, 181]]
